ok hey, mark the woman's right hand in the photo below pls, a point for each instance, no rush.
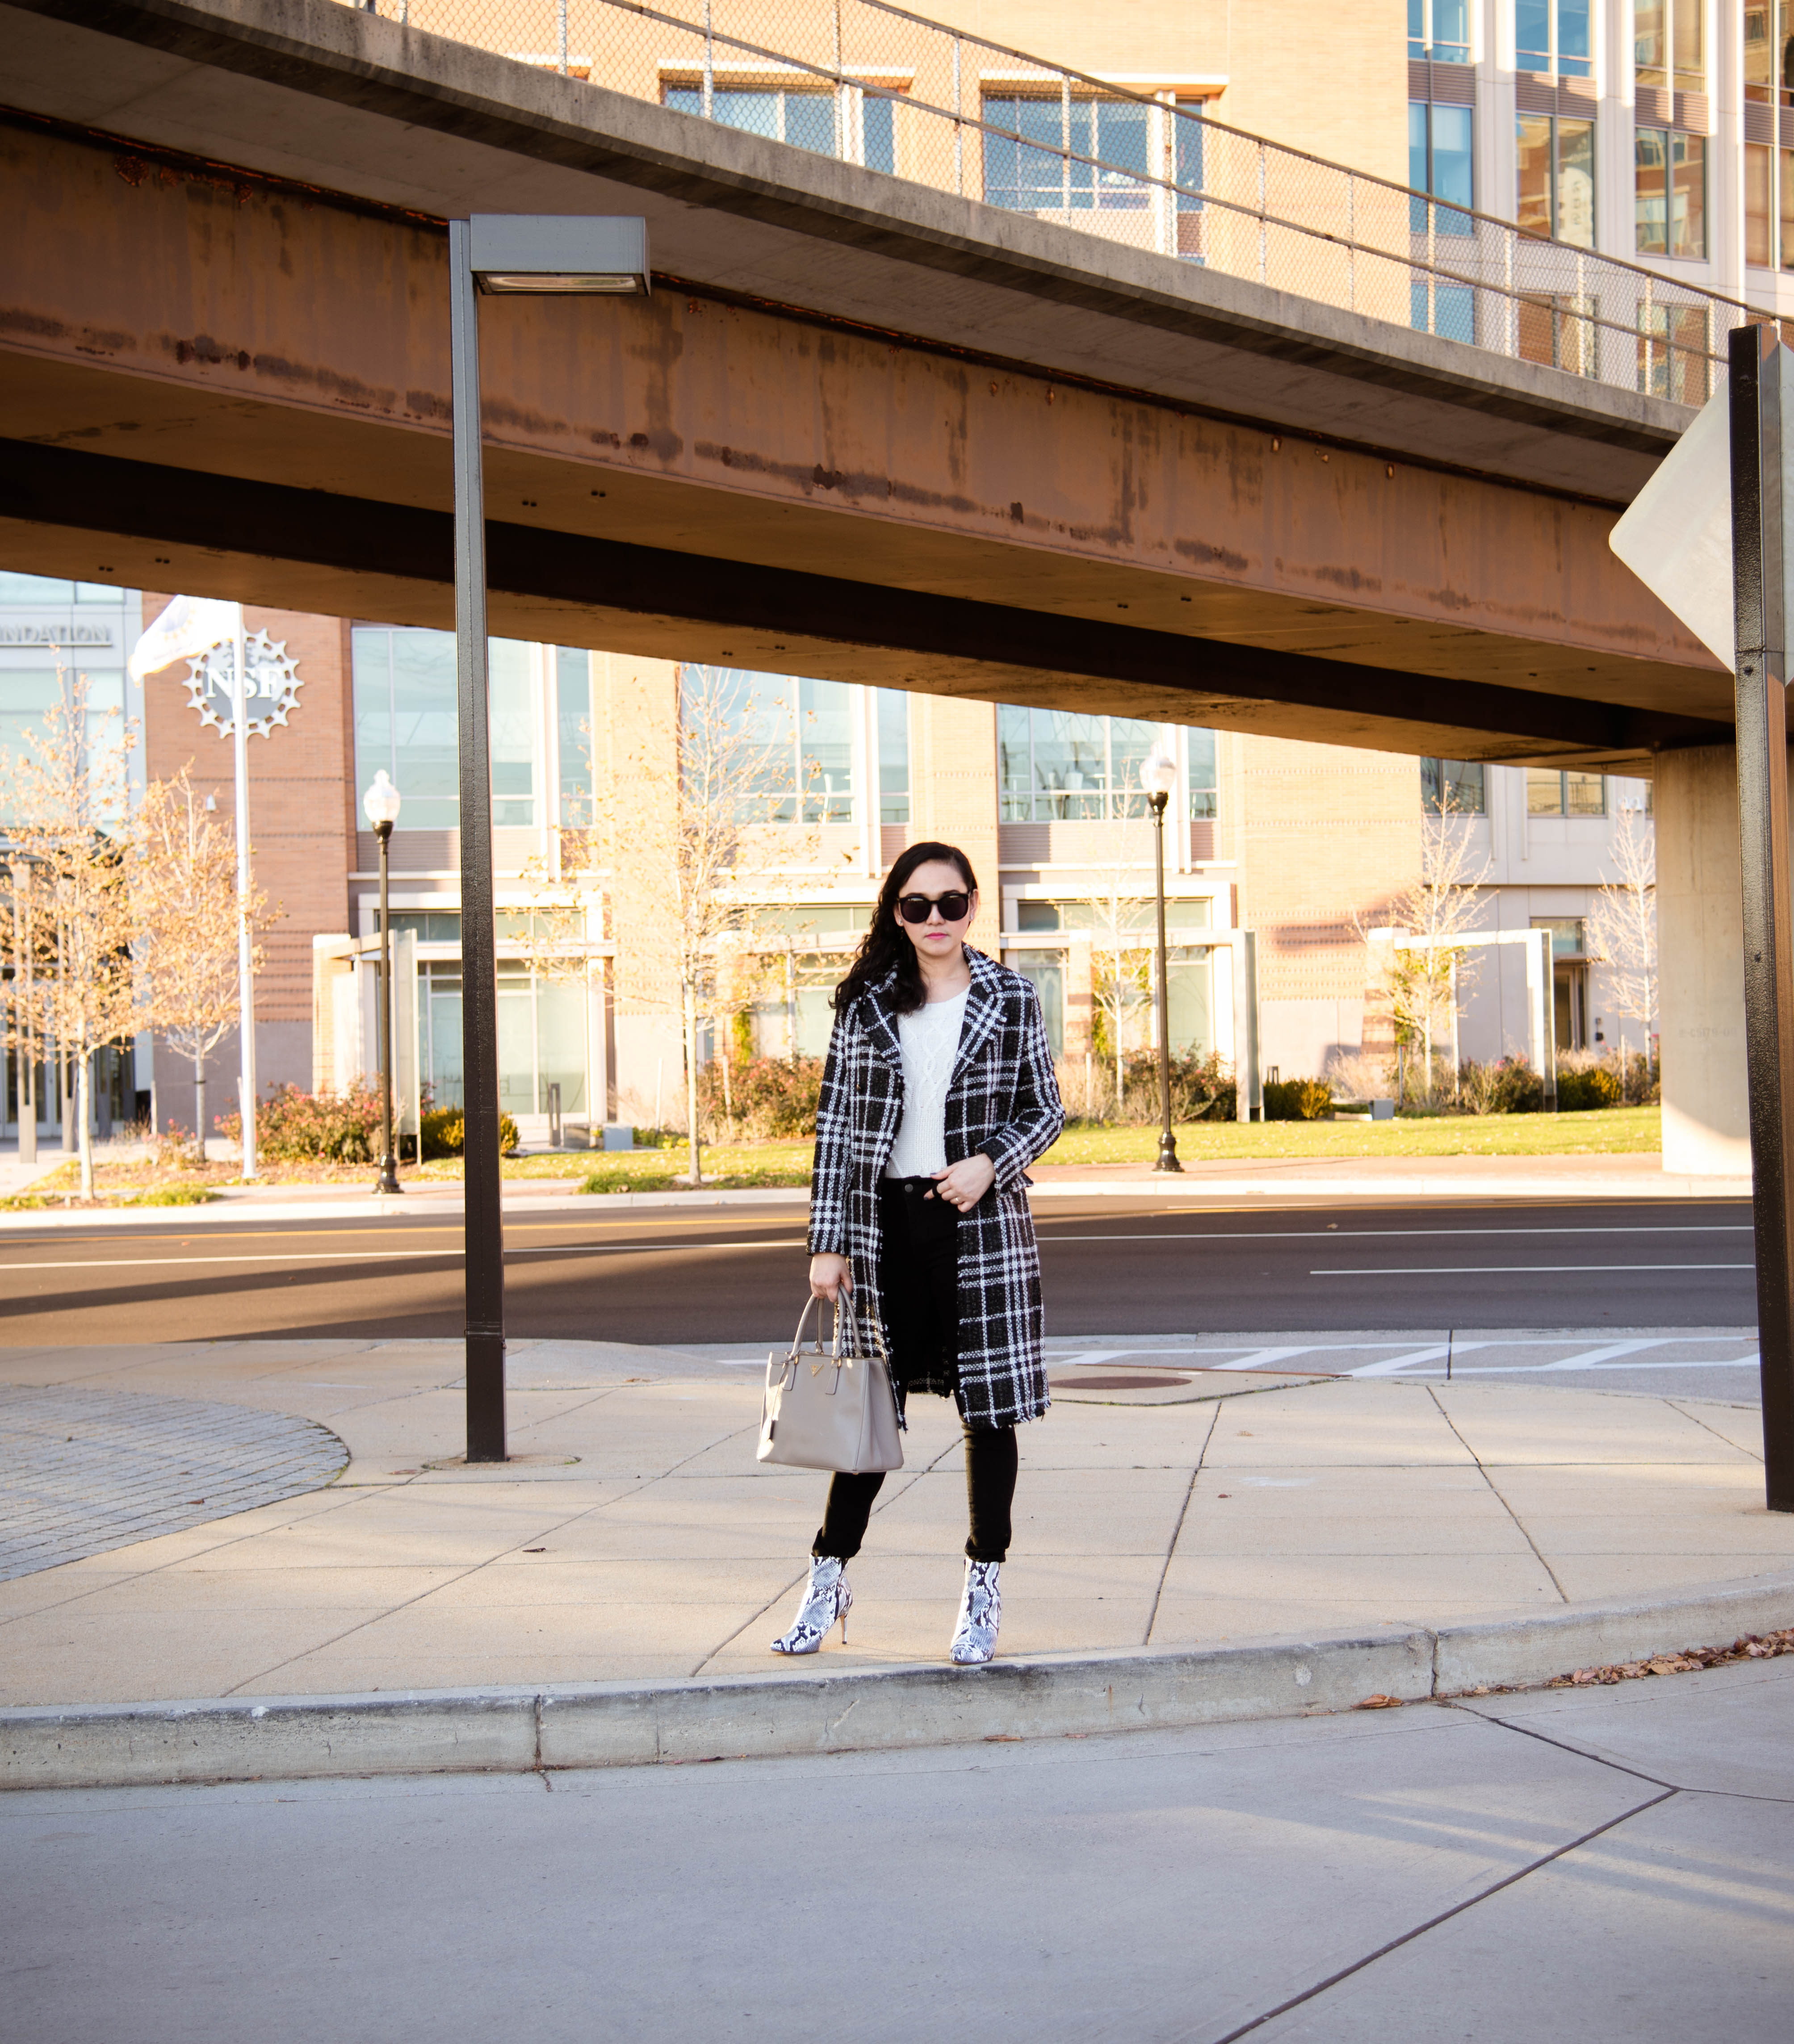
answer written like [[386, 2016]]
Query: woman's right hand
[[828, 1275]]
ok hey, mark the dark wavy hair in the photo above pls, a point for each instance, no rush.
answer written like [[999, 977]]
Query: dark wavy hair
[[885, 949]]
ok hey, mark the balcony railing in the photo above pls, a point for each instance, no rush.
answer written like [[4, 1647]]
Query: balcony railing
[[873, 84]]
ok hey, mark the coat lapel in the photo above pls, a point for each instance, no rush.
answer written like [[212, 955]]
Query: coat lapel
[[880, 1024], [984, 1011]]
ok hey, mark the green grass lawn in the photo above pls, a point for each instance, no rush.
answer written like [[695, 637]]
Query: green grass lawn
[[1601, 1132], [1608, 1132]]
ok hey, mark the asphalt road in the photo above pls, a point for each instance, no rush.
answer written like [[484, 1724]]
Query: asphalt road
[[736, 1274]]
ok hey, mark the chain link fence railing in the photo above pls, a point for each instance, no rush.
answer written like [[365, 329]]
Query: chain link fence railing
[[873, 84]]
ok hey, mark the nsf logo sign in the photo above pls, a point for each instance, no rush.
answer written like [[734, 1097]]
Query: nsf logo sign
[[274, 683]]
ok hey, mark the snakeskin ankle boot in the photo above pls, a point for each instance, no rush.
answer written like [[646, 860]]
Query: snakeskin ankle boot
[[826, 1598], [981, 1612]]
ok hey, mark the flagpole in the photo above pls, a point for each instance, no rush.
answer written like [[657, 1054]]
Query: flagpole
[[245, 975]]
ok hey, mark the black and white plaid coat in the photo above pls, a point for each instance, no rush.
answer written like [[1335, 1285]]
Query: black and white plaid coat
[[1003, 1099]]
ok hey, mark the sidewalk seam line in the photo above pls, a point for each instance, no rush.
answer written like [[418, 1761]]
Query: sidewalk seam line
[[1445, 1916], [1495, 1490], [1177, 1531], [1682, 1408]]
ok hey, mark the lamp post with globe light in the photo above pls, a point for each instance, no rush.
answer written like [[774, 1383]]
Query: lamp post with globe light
[[382, 804], [1158, 776]]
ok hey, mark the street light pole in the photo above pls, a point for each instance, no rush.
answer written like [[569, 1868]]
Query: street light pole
[[382, 803], [497, 254], [1158, 775]]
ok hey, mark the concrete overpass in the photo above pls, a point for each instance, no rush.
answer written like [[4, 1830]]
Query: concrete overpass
[[863, 428]]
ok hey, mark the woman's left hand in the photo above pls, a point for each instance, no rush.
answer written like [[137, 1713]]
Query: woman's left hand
[[964, 1184]]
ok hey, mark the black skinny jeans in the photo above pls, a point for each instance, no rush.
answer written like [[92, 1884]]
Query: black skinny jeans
[[918, 1280]]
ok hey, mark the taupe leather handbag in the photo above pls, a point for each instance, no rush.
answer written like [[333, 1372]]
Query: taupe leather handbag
[[826, 1410]]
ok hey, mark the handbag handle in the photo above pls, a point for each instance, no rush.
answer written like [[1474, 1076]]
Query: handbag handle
[[843, 1311]]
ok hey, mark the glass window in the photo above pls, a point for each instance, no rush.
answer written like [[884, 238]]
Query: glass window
[[894, 756], [1669, 43], [1550, 793], [1674, 353], [1062, 765], [573, 731], [541, 1041], [878, 117], [1759, 204], [429, 925], [1785, 206], [804, 118], [1441, 159], [1556, 193], [791, 738], [1028, 174], [1453, 785], [1038, 916], [1566, 934], [1045, 971], [1204, 785], [406, 722], [1651, 47], [1759, 51], [1189, 980], [1670, 187], [49, 593], [1552, 36], [1439, 28]]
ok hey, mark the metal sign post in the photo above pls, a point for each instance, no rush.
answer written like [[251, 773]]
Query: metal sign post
[[1762, 412]]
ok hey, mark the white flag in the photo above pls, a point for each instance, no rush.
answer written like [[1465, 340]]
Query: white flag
[[189, 626]]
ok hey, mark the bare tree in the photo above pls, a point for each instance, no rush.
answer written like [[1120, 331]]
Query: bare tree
[[66, 803], [697, 812], [1418, 981], [184, 886], [1621, 930], [1120, 960]]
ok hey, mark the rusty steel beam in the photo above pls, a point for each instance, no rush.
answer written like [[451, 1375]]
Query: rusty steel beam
[[669, 603]]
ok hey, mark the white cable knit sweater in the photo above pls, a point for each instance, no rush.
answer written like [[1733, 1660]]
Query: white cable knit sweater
[[929, 1039]]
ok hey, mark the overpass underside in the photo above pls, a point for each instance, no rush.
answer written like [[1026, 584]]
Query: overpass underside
[[847, 437]]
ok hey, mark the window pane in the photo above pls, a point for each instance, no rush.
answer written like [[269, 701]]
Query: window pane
[[1573, 46], [1689, 53], [1187, 131], [1025, 179], [1786, 207], [517, 1044], [1566, 934], [1452, 785], [683, 98], [1419, 170], [1649, 52], [1046, 969], [1576, 182], [1014, 764], [560, 1044], [1586, 794], [894, 756], [756, 113], [1203, 786], [1532, 34], [1544, 792], [1454, 154], [741, 741], [825, 738], [1688, 195], [573, 715], [1189, 977], [1069, 764], [1532, 135], [1759, 175], [1121, 139], [1416, 28], [513, 673], [878, 133], [809, 121], [1650, 191], [1451, 31], [41, 590], [1129, 743], [1759, 61]]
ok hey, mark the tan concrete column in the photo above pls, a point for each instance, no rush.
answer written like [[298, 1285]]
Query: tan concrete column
[[1700, 955], [954, 795]]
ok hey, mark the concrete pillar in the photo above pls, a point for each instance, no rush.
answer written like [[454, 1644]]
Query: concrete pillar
[[1700, 953], [953, 796]]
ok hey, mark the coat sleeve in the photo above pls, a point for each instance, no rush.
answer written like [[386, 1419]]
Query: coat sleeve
[[830, 1170], [1038, 1117]]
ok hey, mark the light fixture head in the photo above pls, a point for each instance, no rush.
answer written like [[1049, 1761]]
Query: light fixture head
[[382, 802], [1159, 773], [558, 255]]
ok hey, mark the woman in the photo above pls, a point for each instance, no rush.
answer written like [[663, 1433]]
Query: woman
[[937, 1094]]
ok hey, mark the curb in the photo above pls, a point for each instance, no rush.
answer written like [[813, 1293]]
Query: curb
[[618, 1725]]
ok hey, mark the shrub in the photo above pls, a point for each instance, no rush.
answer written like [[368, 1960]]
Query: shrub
[[1298, 1100], [292, 1127], [1202, 1088], [772, 1097], [445, 1133], [1595, 1086]]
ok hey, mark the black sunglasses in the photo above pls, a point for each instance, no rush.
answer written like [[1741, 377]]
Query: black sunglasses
[[954, 907]]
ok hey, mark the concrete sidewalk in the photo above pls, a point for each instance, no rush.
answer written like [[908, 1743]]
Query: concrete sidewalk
[[633, 1537]]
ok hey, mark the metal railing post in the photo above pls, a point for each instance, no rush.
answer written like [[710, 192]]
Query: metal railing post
[[1065, 143], [959, 127], [840, 93], [1263, 249], [709, 65], [560, 26]]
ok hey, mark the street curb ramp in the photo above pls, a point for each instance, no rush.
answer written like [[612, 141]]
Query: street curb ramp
[[619, 1724]]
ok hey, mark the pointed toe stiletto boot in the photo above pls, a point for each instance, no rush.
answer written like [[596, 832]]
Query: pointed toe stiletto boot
[[981, 1612], [826, 1599]]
